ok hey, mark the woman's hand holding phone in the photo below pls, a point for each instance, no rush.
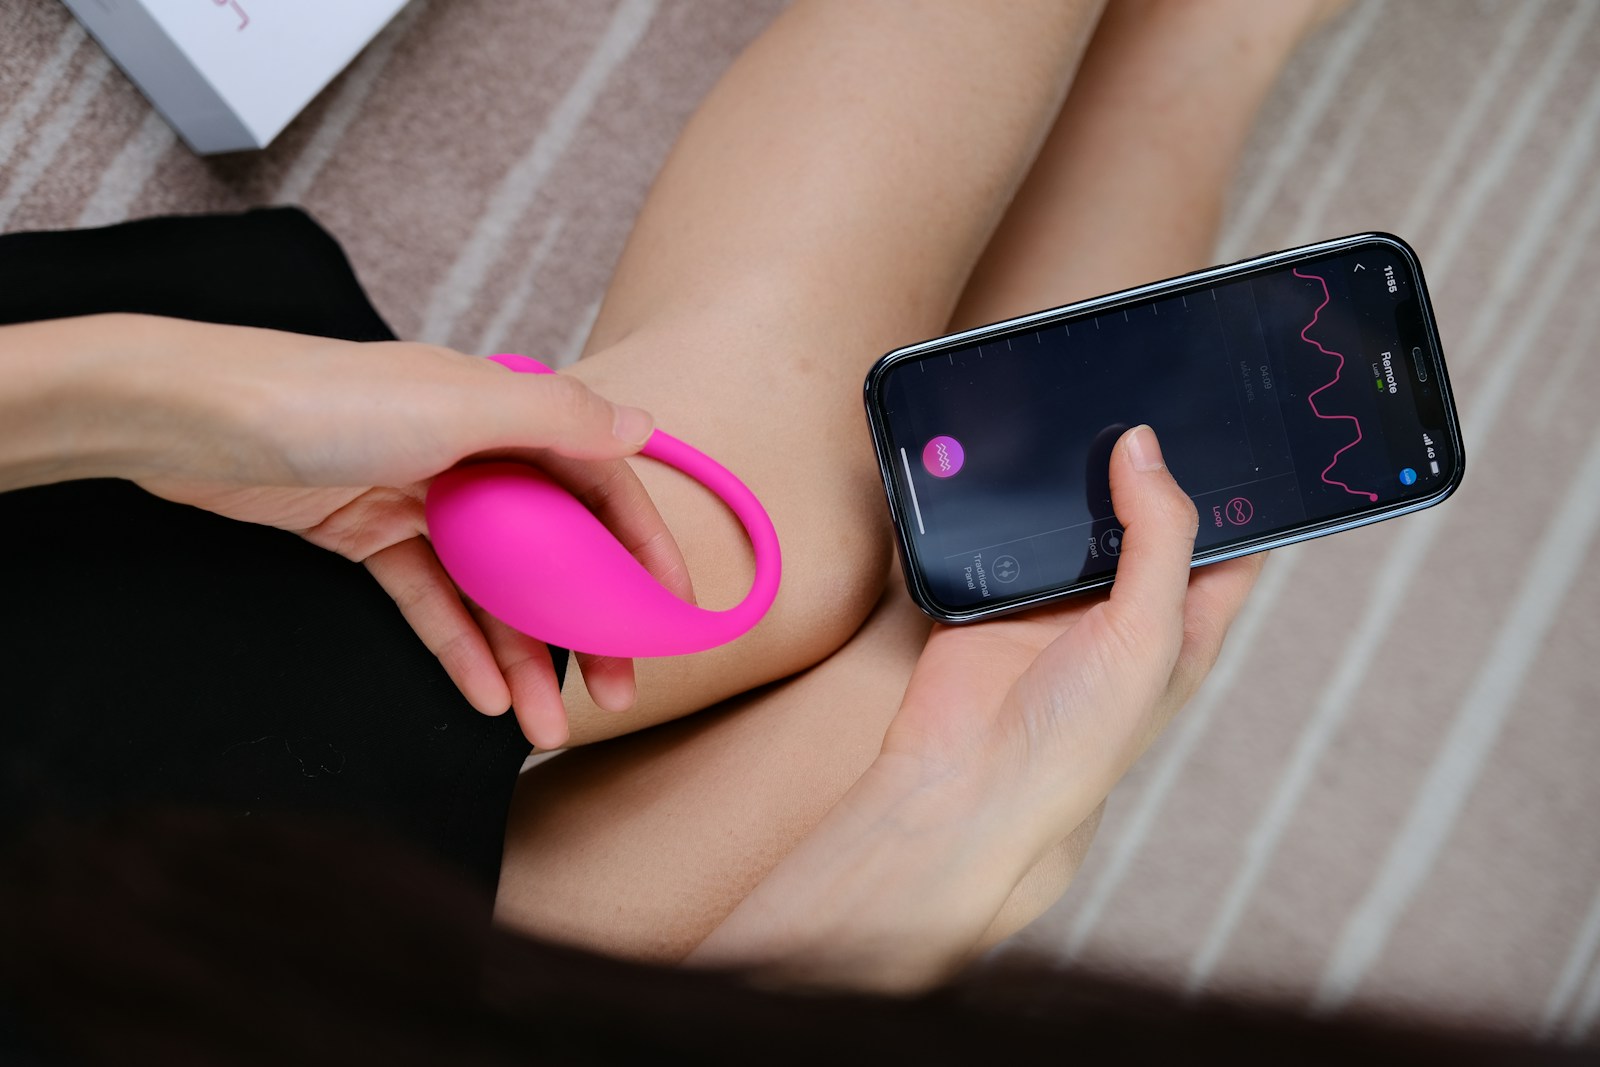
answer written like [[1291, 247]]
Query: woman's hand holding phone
[[992, 443], [1011, 733], [1050, 708]]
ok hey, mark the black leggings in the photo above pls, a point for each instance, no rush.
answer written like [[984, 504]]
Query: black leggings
[[157, 654]]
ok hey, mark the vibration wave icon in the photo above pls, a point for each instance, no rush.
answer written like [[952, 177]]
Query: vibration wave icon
[[943, 456], [1312, 398]]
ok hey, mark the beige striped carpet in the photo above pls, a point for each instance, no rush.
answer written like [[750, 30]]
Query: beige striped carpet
[[1388, 795]]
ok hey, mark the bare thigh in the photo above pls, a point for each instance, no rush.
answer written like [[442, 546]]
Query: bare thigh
[[642, 845]]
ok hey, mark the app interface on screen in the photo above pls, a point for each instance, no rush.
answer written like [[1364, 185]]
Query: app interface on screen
[[1278, 398]]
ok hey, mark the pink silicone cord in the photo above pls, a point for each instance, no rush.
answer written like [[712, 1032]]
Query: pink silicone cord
[[720, 626], [743, 503]]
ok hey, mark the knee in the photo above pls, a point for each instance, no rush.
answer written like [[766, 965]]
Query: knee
[[1045, 882], [834, 581]]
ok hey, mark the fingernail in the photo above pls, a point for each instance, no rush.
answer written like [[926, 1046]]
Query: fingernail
[[632, 425], [1144, 449]]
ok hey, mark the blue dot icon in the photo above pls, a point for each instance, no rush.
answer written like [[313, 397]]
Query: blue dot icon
[[1408, 476]]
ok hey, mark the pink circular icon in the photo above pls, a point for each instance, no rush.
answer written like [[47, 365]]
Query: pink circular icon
[[1240, 511], [943, 456]]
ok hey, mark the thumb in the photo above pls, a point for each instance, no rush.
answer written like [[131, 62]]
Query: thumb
[[1159, 525], [562, 414]]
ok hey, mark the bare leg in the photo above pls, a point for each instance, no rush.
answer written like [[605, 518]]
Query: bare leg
[[1130, 186], [826, 203], [642, 845]]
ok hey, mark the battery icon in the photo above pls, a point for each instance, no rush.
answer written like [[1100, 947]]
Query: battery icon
[[1434, 466]]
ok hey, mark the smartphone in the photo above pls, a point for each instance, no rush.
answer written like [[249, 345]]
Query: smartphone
[[1295, 394]]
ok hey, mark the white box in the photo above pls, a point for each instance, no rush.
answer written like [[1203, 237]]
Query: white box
[[231, 74]]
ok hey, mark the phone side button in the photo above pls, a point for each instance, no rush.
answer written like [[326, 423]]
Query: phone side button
[[1419, 364]]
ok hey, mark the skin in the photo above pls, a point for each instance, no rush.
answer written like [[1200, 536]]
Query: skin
[[868, 801], [646, 844], [905, 877], [336, 441], [744, 316]]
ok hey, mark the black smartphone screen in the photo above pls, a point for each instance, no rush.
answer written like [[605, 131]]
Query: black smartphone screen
[[1294, 395]]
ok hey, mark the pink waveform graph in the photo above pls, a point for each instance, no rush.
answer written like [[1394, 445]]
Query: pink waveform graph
[[1312, 399]]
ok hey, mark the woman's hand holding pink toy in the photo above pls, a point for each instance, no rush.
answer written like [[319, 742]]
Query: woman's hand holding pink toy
[[339, 442], [531, 553]]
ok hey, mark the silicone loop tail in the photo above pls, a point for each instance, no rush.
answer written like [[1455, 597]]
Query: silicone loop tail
[[715, 627], [743, 503]]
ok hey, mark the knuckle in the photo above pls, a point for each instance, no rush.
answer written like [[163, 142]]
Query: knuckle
[[1182, 513], [409, 591], [613, 490], [1173, 516], [522, 667], [569, 400], [1128, 635], [452, 648]]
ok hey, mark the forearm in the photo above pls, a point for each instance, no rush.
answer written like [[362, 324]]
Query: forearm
[[899, 882], [76, 403]]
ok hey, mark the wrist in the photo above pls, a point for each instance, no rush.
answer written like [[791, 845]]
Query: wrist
[[89, 397], [986, 774], [893, 891], [54, 430]]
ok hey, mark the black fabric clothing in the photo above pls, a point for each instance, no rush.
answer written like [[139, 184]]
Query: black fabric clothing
[[156, 654]]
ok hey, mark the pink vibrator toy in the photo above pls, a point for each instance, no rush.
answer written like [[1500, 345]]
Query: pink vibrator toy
[[530, 554]]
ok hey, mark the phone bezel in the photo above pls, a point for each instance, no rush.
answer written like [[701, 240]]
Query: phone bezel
[[916, 582]]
